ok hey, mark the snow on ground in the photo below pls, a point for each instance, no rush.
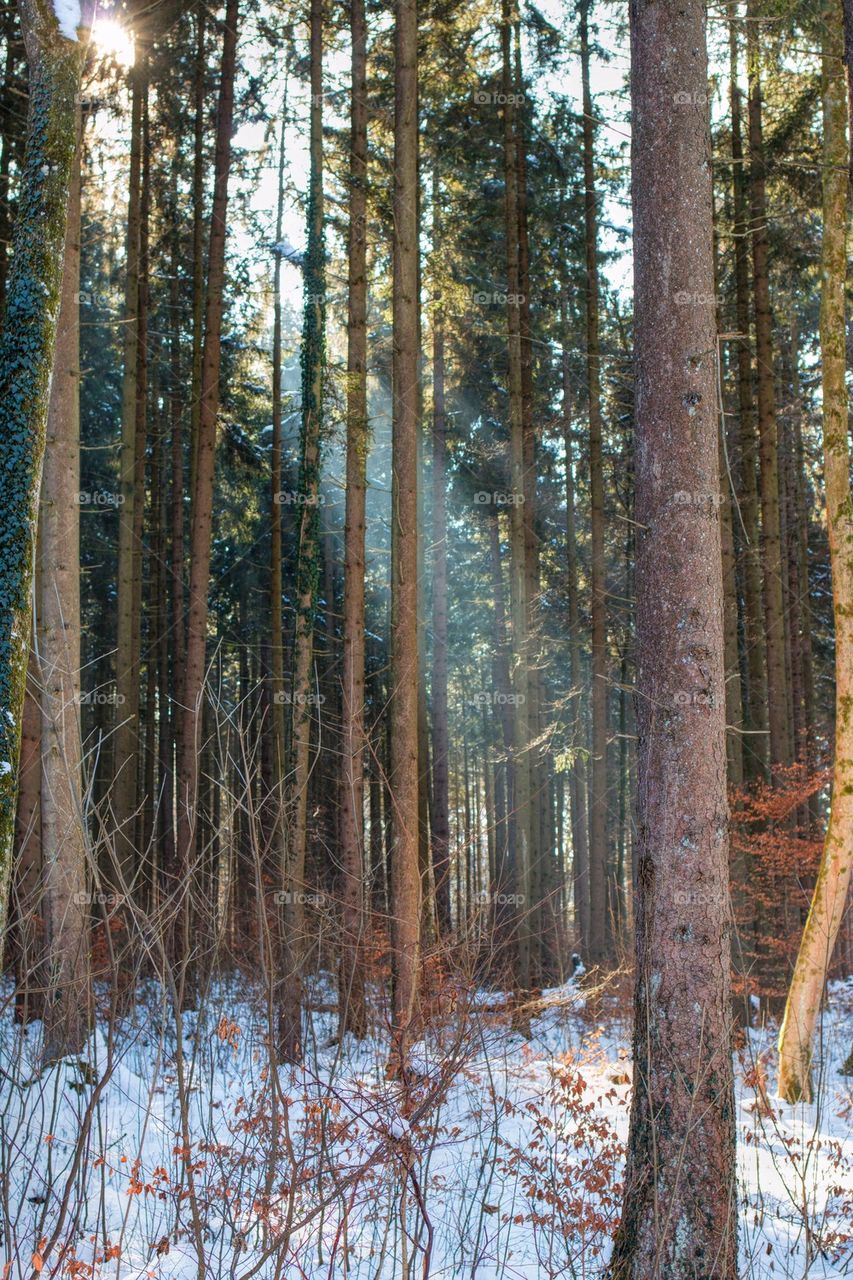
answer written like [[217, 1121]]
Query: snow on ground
[[503, 1161]]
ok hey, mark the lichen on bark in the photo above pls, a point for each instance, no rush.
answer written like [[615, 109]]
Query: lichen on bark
[[26, 359]]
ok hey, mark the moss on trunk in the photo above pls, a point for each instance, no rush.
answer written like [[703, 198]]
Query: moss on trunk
[[26, 359]]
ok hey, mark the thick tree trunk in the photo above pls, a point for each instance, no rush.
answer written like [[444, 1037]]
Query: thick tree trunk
[[353, 1015], [307, 571], [202, 495], [63, 833], [519, 605], [833, 882], [125, 737], [26, 359], [771, 540], [597, 942], [680, 1215], [440, 730], [403, 700], [754, 684]]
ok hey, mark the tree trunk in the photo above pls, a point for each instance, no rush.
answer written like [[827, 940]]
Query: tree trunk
[[403, 700], [577, 770], [754, 684], [26, 359], [519, 610], [833, 882], [308, 554], [202, 494], [353, 1012], [125, 737], [440, 730], [771, 542], [680, 1214], [63, 834], [597, 942]]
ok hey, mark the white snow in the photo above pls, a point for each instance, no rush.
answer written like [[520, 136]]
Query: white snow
[[462, 1169], [68, 16]]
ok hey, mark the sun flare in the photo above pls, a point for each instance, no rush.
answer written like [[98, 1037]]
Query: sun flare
[[112, 39]]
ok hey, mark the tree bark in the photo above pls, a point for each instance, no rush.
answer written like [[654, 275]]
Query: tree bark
[[26, 359], [125, 737], [754, 685], [519, 605], [771, 542], [597, 942], [202, 493], [353, 1015], [403, 700], [680, 1215], [833, 882], [307, 570], [63, 832]]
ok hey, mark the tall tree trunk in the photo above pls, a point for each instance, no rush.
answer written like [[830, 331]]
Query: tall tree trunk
[[754, 685], [577, 772], [680, 1213], [198, 294], [308, 554], [440, 731], [519, 610], [68, 1004], [403, 700], [26, 359], [125, 737], [597, 941], [353, 1015], [771, 540], [833, 882], [202, 494]]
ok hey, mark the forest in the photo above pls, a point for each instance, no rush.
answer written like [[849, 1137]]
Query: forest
[[426, 640]]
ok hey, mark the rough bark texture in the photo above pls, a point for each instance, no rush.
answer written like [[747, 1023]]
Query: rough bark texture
[[307, 570], [833, 882], [202, 495], [679, 1218], [519, 605], [26, 360], [771, 538], [352, 1002], [403, 779], [125, 739], [577, 775], [597, 941], [755, 748], [63, 828]]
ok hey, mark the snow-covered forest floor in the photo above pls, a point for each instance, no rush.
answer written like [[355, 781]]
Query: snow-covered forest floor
[[140, 1160]]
